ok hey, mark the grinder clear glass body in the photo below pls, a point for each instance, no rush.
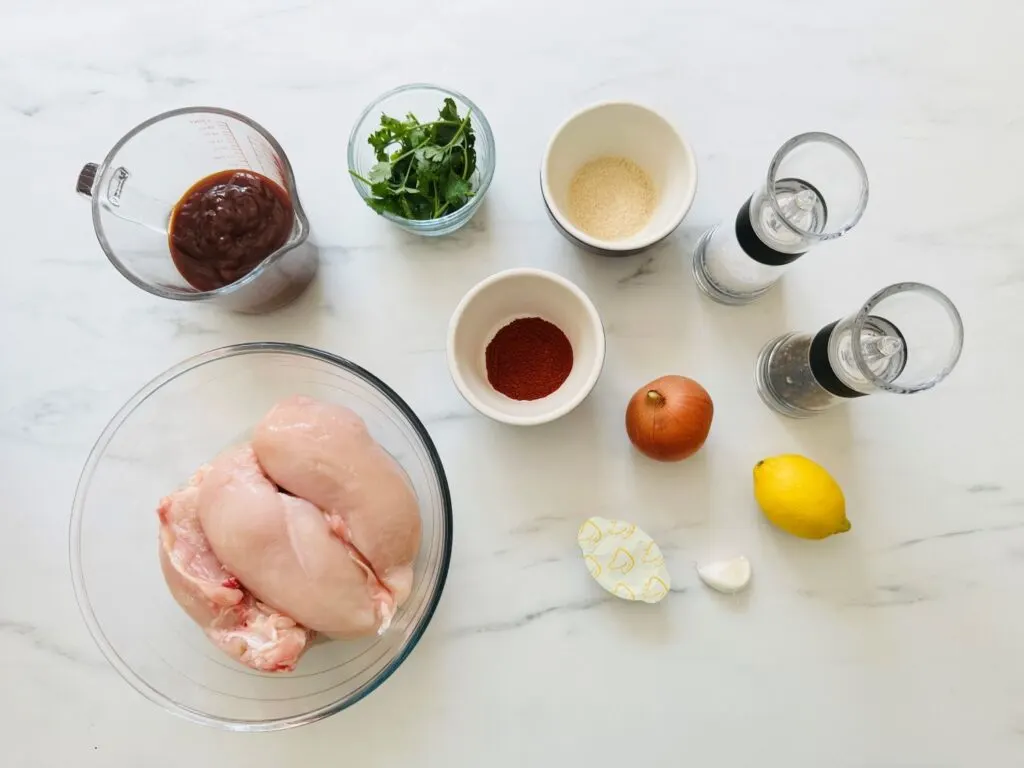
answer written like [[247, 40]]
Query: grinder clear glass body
[[816, 189], [905, 339], [134, 190]]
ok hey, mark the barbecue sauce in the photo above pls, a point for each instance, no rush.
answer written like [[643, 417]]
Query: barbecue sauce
[[225, 225]]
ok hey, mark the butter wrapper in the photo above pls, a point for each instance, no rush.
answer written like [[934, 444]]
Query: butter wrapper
[[623, 559]]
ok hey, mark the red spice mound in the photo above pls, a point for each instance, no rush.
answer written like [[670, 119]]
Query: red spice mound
[[528, 359]]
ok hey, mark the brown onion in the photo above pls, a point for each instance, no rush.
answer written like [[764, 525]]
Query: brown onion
[[669, 419]]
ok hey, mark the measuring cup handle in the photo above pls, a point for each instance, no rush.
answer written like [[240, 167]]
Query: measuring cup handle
[[116, 197], [86, 179]]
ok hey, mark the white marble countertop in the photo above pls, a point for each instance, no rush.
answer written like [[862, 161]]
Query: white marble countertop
[[898, 644]]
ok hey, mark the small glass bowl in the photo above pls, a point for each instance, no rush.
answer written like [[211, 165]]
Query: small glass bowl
[[174, 424], [424, 101]]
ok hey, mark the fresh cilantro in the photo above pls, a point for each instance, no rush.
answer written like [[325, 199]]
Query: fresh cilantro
[[380, 172], [423, 170]]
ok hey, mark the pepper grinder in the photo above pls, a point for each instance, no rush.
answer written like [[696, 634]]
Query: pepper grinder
[[904, 339], [816, 190]]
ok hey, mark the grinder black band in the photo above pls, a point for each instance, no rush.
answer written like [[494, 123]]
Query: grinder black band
[[752, 244], [821, 368]]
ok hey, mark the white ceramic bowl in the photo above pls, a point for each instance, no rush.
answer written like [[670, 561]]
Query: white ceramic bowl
[[620, 129], [499, 300]]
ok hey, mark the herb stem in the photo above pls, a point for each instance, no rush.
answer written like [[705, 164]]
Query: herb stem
[[428, 140], [439, 122], [458, 133], [411, 151]]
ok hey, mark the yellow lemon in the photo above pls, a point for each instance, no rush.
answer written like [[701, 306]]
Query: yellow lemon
[[800, 497]]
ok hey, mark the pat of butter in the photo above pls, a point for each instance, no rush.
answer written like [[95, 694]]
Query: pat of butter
[[623, 559]]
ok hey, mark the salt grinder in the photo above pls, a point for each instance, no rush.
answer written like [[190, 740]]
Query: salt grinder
[[816, 190]]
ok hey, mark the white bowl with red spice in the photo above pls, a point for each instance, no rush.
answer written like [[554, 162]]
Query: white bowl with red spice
[[525, 346], [617, 178]]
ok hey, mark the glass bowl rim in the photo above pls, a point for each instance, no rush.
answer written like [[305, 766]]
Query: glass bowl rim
[[487, 172], [77, 512]]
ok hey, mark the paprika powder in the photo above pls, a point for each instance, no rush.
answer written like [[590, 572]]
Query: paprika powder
[[528, 359]]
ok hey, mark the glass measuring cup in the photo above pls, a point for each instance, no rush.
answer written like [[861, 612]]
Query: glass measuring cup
[[135, 189]]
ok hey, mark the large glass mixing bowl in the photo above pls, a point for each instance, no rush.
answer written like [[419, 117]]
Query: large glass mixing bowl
[[174, 424]]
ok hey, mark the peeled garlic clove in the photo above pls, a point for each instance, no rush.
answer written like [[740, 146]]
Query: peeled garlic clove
[[727, 576]]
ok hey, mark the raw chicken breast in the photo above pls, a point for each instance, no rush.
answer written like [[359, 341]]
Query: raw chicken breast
[[240, 626], [284, 551], [323, 453]]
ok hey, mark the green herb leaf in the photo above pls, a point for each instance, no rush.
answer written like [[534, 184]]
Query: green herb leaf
[[433, 153], [380, 140], [456, 191], [379, 172], [449, 111], [382, 205]]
